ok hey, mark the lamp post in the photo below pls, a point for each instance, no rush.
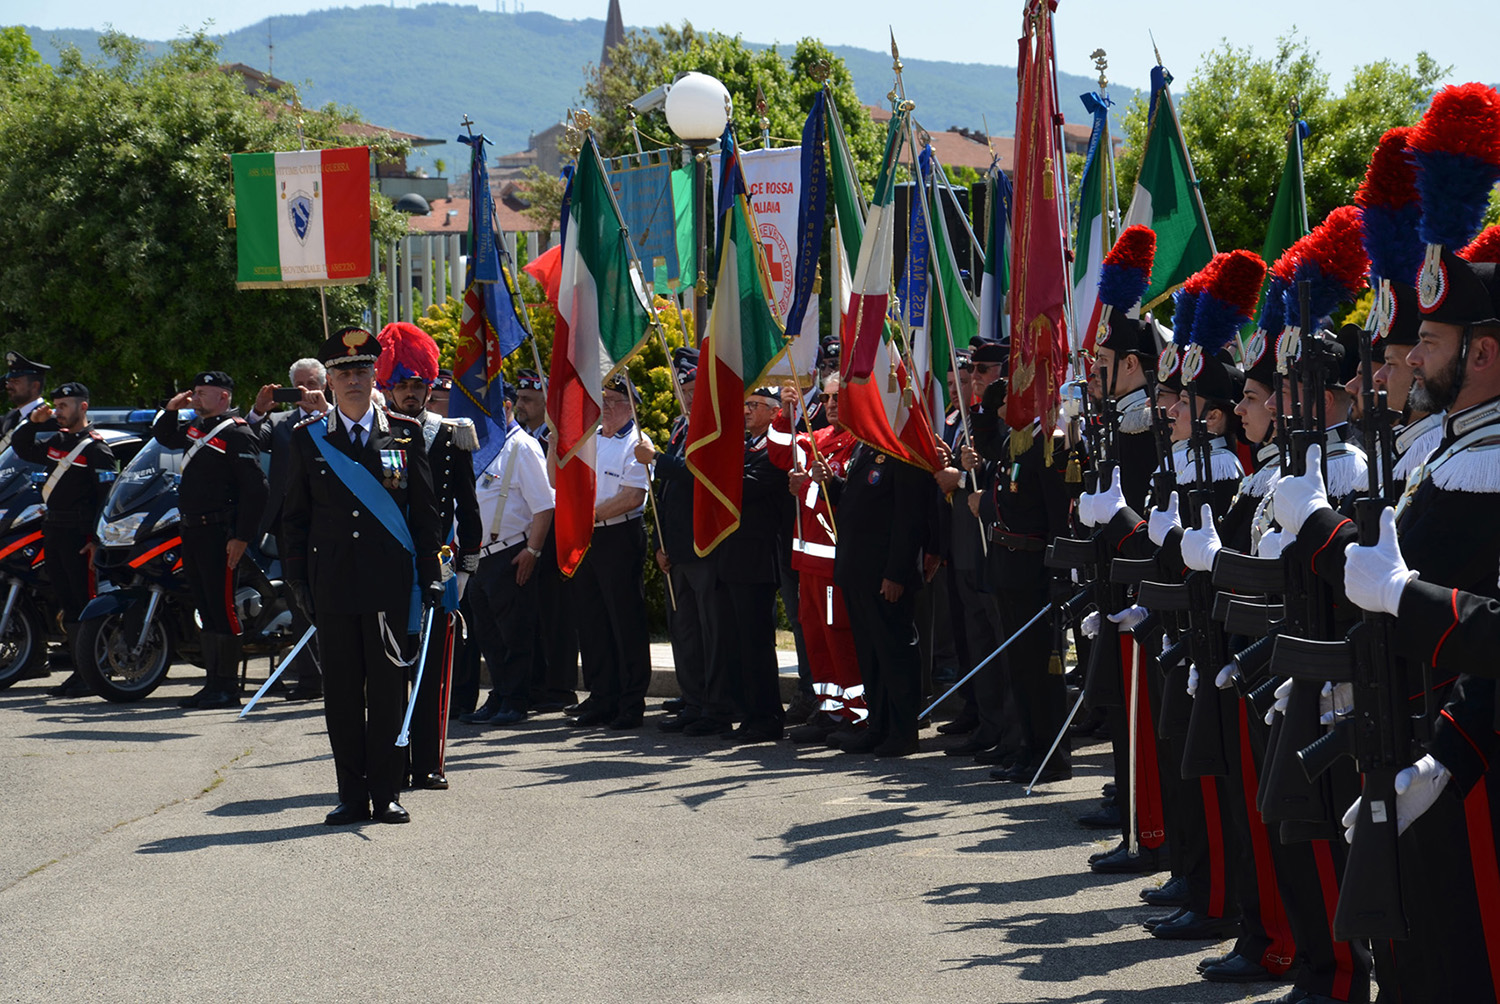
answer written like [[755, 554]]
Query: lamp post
[[698, 108]]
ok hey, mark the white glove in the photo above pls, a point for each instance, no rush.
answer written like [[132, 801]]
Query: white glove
[[1279, 708], [1225, 679], [463, 582], [1417, 787], [1192, 687], [1086, 509], [1335, 701], [1090, 625], [1129, 618], [1273, 542], [1161, 521], [1375, 577], [1297, 498], [1200, 547], [1100, 507]]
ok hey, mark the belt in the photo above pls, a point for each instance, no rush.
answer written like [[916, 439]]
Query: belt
[[501, 545], [615, 520], [209, 518], [1017, 541]]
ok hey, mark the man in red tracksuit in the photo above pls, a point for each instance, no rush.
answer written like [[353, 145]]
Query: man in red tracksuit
[[825, 625]]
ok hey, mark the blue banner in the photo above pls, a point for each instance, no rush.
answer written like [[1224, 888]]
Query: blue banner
[[812, 209], [643, 188], [913, 287]]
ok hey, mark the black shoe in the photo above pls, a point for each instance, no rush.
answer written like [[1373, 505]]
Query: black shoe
[[1193, 926], [64, 689], [301, 693], [865, 742], [1106, 818], [706, 726], [505, 716], [190, 701], [677, 722], [969, 747], [960, 725], [392, 812], [896, 747], [592, 716], [625, 720], [1108, 791], [219, 699], [1147, 862], [1085, 728], [802, 708], [817, 729], [575, 709], [1173, 892], [1152, 923], [759, 732], [673, 705], [999, 756], [1023, 774], [1104, 854], [481, 714], [435, 781], [347, 812], [845, 733], [548, 707], [1214, 960], [1237, 969]]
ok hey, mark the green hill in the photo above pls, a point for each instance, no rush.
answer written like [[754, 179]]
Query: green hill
[[421, 70]]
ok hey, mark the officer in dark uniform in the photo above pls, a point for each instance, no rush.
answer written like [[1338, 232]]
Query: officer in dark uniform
[[882, 507], [23, 386], [360, 523], [222, 493], [80, 469], [406, 373]]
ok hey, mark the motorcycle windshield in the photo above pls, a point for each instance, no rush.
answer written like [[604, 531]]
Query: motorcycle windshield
[[151, 472], [15, 475]]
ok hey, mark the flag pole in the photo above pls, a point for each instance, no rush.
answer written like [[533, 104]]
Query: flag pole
[[650, 491]]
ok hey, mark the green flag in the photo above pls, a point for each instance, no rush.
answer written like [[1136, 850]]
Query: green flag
[[1289, 212], [1166, 199]]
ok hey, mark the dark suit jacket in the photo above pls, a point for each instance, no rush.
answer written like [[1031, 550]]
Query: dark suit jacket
[[332, 542], [274, 432], [752, 554], [883, 507]]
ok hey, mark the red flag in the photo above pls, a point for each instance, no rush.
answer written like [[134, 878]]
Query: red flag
[[1039, 277], [546, 269]]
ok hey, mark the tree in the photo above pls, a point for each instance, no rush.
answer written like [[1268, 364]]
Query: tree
[[647, 59], [1235, 116], [118, 265]]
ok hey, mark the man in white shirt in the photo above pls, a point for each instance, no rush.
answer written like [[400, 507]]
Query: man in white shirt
[[515, 506], [609, 582]]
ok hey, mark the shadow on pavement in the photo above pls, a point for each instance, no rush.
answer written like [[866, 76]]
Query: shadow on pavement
[[237, 838]]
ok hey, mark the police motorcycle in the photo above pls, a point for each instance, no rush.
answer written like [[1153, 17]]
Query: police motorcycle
[[143, 617], [29, 613]]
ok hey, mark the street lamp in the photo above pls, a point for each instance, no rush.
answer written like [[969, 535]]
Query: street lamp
[[698, 107]]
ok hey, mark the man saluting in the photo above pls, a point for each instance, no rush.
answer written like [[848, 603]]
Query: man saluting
[[360, 524]]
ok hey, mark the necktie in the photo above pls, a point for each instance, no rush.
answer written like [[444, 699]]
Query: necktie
[[356, 434]]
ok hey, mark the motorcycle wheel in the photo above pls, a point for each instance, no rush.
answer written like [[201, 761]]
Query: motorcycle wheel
[[24, 646], [103, 658]]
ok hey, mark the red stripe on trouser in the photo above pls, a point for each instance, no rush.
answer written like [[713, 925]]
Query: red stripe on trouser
[[1282, 950], [830, 647], [1343, 976], [1214, 827], [1486, 870], [444, 683], [1150, 818], [234, 620]]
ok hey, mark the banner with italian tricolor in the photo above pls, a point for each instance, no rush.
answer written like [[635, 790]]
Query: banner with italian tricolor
[[302, 218]]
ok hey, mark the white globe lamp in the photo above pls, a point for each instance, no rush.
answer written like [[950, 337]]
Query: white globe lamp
[[698, 107]]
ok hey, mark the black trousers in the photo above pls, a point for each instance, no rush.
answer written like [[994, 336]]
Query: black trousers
[[466, 656], [692, 627], [609, 584], [885, 642], [504, 619], [304, 669], [554, 674], [1041, 696], [211, 581], [363, 702], [67, 570], [429, 723], [743, 680]]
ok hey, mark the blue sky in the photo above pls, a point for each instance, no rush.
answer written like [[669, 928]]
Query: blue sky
[[1460, 34]]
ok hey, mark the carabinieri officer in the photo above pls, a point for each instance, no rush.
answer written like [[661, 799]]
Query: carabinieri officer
[[360, 523]]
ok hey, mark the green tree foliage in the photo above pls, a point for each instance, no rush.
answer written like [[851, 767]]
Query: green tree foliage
[[647, 59], [118, 264], [1234, 114]]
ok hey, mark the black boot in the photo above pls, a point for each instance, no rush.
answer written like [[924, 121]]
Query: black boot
[[223, 658]]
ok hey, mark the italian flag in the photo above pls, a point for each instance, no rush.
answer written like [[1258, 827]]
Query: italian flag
[[303, 218], [745, 339], [1166, 199], [877, 402], [1095, 235], [602, 320]]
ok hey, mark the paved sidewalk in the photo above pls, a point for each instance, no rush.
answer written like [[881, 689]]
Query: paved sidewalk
[[150, 854]]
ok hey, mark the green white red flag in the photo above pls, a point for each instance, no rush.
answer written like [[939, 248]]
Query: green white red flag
[[302, 218], [602, 320]]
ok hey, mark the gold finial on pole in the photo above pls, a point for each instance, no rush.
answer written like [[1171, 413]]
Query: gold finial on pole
[[895, 54], [1101, 63], [821, 70]]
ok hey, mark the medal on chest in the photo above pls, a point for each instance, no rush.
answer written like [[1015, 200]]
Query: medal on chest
[[393, 468]]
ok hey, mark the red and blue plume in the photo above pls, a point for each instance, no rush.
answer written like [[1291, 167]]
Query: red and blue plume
[[1272, 309], [406, 352], [1185, 300], [1229, 301], [1390, 210], [1126, 270], [1332, 258], [1485, 247], [1456, 151]]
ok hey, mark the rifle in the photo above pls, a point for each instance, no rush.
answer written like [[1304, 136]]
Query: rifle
[[1381, 736]]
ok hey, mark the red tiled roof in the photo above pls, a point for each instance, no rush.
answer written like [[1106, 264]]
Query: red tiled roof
[[508, 218]]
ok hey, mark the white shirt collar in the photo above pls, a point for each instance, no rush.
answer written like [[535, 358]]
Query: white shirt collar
[[27, 408], [366, 422]]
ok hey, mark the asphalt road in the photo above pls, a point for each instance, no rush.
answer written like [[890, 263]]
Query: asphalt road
[[151, 854]]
